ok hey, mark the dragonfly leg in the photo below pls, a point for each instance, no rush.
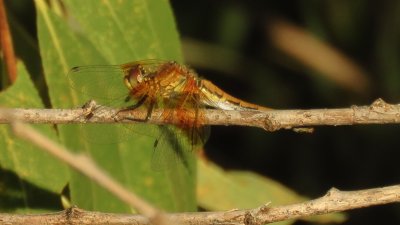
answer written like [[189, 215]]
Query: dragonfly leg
[[149, 110], [136, 105], [132, 107], [194, 129]]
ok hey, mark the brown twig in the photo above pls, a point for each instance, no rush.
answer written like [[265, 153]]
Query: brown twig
[[378, 112], [86, 166], [333, 201], [7, 44]]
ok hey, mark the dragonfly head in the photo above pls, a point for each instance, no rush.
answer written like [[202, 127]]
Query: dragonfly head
[[134, 76]]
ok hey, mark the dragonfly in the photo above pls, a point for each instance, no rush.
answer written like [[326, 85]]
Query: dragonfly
[[175, 89]]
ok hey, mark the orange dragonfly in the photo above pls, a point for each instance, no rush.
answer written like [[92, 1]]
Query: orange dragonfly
[[164, 85]]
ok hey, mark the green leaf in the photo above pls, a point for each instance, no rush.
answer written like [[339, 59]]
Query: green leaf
[[112, 32], [25, 169], [220, 190]]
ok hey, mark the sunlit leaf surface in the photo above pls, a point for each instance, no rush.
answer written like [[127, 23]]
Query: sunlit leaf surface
[[220, 190], [27, 174], [104, 33]]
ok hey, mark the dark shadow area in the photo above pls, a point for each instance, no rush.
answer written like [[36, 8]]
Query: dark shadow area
[[17, 194], [248, 65]]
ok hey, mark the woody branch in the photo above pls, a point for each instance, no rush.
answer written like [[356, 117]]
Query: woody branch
[[334, 201], [379, 112]]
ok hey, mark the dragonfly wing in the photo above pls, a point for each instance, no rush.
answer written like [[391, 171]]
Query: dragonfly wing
[[110, 134], [173, 142], [169, 149], [86, 80], [176, 143], [176, 146], [198, 136]]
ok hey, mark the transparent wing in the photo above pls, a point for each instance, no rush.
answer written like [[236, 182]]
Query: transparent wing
[[168, 149], [175, 143], [172, 144], [175, 146], [88, 79]]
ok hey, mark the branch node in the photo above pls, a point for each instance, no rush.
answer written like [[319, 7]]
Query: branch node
[[264, 208], [380, 105], [90, 105], [88, 109], [270, 124], [73, 213], [333, 191], [249, 219]]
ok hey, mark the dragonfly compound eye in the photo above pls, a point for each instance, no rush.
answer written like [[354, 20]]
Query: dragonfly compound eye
[[133, 77]]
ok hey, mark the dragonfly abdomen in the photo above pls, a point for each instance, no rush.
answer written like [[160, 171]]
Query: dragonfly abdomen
[[217, 98]]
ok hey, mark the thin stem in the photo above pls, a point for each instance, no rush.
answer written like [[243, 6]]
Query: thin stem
[[86, 166], [379, 112], [7, 44], [334, 201]]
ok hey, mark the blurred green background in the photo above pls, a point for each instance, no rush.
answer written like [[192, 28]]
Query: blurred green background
[[289, 55], [234, 44]]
